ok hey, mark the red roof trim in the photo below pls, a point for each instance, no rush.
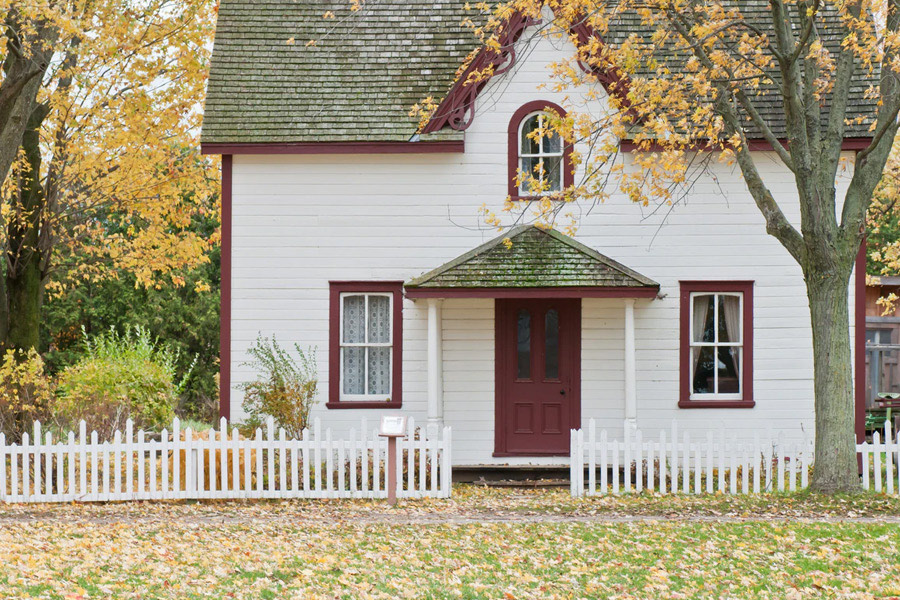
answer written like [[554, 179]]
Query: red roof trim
[[545, 292], [425, 147], [225, 293], [849, 144], [859, 331]]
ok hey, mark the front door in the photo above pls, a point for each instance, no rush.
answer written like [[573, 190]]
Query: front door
[[538, 375]]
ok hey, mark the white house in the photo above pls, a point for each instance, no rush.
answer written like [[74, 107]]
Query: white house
[[345, 230]]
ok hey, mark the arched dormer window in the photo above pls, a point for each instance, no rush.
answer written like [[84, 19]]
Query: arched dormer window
[[547, 158]]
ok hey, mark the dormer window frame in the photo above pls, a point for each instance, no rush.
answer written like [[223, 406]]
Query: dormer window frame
[[515, 155]]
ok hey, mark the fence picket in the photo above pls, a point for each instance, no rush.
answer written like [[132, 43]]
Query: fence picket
[[3, 454], [877, 449], [604, 462], [615, 466], [745, 469], [638, 461], [305, 456], [732, 468], [889, 456], [626, 458], [698, 471], [673, 484], [686, 464], [755, 461], [662, 461]]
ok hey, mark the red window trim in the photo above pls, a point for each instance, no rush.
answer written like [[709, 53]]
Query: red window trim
[[513, 147], [688, 287], [334, 342]]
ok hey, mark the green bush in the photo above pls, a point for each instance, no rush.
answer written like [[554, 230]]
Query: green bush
[[26, 393], [120, 377], [284, 388]]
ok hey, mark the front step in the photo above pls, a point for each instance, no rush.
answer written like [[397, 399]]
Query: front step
[[528, 475]]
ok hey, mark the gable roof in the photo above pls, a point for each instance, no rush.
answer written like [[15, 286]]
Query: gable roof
[[367, 68], [536, 258], [357, 83]]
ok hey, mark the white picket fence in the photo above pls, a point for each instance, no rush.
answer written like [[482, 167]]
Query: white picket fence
[[183, 464], [676, 463]]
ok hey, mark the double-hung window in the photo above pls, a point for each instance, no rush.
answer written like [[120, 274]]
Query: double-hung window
[[365, 345], [717, 344]]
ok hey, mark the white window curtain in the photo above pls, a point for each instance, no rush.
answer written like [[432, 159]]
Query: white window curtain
[[701, 314], [366, 350], [731, 306]]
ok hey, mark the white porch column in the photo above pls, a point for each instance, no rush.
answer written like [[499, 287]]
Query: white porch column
[[630, 368], [435, 365]]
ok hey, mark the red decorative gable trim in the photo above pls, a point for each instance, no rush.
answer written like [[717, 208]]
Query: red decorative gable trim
[[457, 109]]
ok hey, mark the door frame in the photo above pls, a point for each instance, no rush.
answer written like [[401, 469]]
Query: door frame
[[501, 368]]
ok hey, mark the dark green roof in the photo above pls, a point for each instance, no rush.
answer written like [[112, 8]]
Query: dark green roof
[[368, 67], [768, 101], [536, 258], [357, 83]]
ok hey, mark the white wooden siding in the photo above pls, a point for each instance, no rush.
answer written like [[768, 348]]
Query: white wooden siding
[[300, 221]]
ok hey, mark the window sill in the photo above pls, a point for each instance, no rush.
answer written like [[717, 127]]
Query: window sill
[[716, 404], [555, 196], [362, 404]]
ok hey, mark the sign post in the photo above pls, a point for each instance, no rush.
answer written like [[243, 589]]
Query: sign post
[[392, 427]]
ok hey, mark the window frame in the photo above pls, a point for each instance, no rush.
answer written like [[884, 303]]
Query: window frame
[[690, 289], [337, 291], [514, 140]]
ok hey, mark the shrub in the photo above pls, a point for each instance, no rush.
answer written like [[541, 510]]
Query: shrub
[[284, 388], [26, 393], [120, 377]]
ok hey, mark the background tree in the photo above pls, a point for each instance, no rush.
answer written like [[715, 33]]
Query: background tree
[[687, 81], [107, 167]]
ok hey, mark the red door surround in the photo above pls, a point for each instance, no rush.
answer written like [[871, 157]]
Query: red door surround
[[538, 376]]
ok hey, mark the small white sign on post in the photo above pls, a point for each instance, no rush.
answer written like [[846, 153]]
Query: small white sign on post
[[392, 427]]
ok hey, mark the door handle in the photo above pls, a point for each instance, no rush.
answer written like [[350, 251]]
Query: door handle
[[562, 392]]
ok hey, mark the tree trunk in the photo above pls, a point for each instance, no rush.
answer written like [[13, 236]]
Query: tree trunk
[[24, 278], [836, 468]]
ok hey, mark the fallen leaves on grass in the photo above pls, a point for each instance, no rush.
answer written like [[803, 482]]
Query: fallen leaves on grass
[[480, 544]]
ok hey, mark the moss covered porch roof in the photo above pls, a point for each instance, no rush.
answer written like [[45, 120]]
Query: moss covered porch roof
[[534, 258]]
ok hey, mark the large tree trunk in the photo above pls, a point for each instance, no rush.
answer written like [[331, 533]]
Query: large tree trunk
[[836, 467], [24, 277]]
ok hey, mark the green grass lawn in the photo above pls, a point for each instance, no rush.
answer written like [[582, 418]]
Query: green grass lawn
[[481, 544]]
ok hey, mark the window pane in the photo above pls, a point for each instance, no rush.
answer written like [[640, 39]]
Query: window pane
[[379, 371], [523, 345], [529, 145], [354, 376], [554, 173], [354, 321], [379, 319], [552, 143], [528, 166], [730, 319], [551, 345], [702, 361], [729, 376], [703, 319]]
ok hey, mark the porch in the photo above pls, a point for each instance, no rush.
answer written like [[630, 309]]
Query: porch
[[536, 294]]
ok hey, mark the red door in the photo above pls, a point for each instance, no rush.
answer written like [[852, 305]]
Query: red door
[[538, 372]]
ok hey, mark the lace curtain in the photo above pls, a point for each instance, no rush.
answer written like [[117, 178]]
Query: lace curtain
[[366, 320]]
